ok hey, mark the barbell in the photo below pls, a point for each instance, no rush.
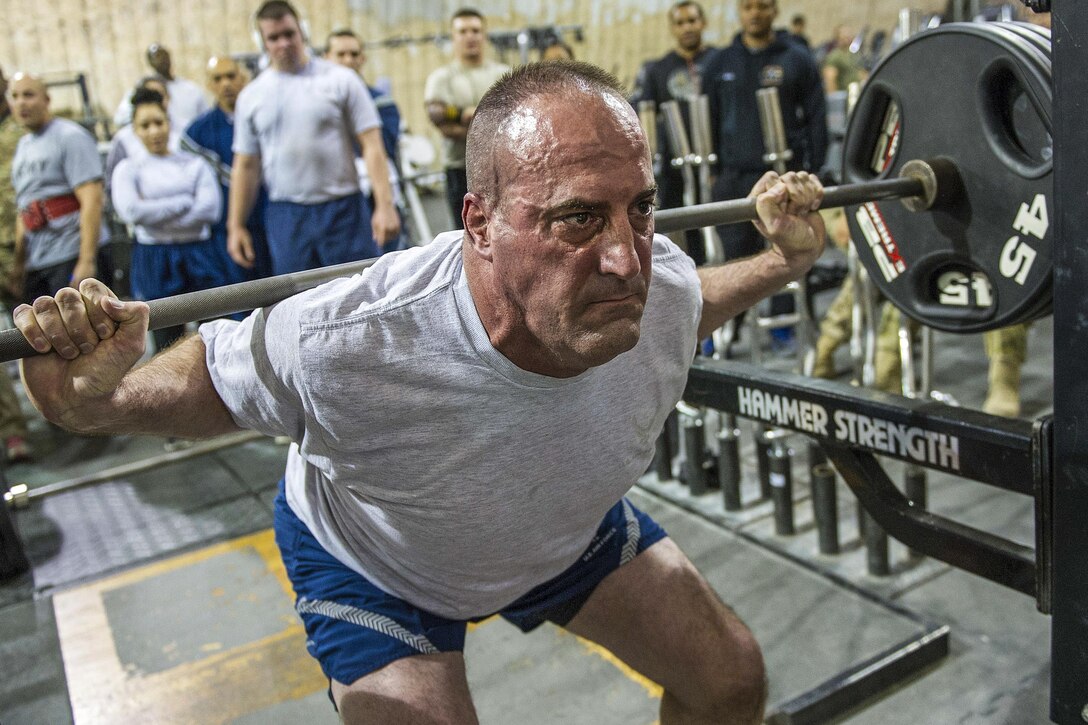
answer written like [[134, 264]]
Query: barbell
[[228, 299], [967, 247]]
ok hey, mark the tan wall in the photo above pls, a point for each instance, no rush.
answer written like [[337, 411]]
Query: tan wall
[[106, 38]]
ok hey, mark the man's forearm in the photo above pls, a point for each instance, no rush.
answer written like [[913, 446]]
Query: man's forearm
[[729, 289], [448, 120], [170, 395], [244, 181]]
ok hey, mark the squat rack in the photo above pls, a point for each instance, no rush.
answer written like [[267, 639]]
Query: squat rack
[[1069, 499]]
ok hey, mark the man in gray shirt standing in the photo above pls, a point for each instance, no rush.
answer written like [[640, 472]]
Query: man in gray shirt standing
[[294, 126], [57, 175], [468, 415]]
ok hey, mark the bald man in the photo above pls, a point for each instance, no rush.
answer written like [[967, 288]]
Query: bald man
[[57, 174], [210, 135]]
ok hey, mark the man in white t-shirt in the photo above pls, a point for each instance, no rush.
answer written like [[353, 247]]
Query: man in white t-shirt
[[451, 95], [468, 415], [294, 126]]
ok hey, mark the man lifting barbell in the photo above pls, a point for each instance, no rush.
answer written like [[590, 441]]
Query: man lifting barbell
[[468, 415]]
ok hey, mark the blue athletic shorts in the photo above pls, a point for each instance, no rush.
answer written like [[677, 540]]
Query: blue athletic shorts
[[163, 270], [307, 236], [354, 628]]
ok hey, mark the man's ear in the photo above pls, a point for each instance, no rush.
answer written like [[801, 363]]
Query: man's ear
[[477, 217]]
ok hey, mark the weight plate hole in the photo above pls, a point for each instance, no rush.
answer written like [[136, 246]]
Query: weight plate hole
[[1012, 123]]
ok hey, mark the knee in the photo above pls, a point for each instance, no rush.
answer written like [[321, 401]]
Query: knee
[[731, 687]]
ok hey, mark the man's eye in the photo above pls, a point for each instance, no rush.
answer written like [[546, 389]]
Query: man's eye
[[645, 208], [581, 218]]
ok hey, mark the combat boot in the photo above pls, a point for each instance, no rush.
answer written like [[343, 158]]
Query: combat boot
[[1007, 350], [1003, 397]]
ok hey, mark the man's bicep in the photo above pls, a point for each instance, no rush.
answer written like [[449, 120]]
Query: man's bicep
[[89, 193]]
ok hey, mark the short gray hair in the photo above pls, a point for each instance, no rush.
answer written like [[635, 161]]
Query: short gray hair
[[512, 91]]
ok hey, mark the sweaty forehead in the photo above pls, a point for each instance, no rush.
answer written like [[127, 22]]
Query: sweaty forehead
[[581, 121]]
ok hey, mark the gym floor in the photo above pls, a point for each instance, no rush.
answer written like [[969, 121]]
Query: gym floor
[[159, 595]]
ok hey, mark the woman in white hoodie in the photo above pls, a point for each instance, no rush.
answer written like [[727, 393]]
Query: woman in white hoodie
[[171, 199]]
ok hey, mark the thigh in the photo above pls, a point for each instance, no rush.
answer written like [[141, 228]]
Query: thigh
[[289, 250], [205, 267], [385, 658], [341, 231], [660, 616], [426, 689]]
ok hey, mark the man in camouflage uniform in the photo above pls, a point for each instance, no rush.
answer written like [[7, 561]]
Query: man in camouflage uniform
[[12, 423]]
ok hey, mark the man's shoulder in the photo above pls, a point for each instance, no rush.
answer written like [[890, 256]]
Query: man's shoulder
[[399, 283], [381, 99], [671, 264], [67, 128], [443, 71], [319, 67], [67, 134], [725, 56], [256, 88], [796, 54], [206, 122], [659, 67]]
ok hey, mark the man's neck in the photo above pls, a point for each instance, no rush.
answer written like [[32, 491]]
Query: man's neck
[[757, 42], [292, 67], [472, 61], [229, 110], [689, 53], [41, 127]]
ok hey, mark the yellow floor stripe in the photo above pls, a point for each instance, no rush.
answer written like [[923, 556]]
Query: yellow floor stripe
[[221, 687], [653, 689]]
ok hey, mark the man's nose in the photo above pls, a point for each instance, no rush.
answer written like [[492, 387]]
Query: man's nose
[[619, 255]]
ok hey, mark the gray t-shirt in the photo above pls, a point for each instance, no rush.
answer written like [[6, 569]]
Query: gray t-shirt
[[304, 127], [427, 460], [53, 162]]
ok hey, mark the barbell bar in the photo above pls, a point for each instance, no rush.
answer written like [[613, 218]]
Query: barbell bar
[[918, 182]]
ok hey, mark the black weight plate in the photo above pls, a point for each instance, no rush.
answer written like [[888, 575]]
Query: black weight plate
[[982, 259], [1040, 37]]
